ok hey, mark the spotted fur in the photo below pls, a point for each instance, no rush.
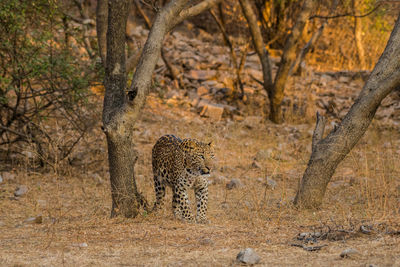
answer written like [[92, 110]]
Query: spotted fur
[[182, 164]]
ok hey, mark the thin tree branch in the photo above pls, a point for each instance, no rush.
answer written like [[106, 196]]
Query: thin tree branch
[[352, 14], [232, 50], [318, 131], [174, 72], [194, 10], [295, 68], [101, 28]]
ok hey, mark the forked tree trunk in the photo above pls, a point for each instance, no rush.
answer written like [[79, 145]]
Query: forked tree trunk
[[276, 90], [327, 153], [296, 66], [121, 153], [258, 43], [288, 57], [121, 105]]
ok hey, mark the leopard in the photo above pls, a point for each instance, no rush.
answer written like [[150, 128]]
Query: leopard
[[182, 165]]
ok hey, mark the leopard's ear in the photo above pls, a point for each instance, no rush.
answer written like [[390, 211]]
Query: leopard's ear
[[190, 146]]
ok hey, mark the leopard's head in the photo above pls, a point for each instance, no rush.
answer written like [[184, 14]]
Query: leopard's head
[[199, 156]]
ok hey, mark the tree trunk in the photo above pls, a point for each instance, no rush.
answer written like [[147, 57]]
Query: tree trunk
[[258, 43], [122, 106], [327, 153], [358, 36], [121, 153], [288, 57]]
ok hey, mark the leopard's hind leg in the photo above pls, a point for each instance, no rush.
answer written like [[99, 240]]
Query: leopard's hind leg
[[159, 188]]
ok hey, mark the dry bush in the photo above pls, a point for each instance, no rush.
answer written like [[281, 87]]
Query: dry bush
[[45, 103]]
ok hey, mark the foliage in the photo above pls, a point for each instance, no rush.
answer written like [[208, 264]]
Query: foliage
[[44, 79]]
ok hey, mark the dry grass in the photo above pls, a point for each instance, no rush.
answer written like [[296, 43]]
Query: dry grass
[[75, 203]]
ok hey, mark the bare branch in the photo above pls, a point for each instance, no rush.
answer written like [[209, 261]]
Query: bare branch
[[318, 131], [163, 22], [142, 13], [228, 42], [195, 10], [133, 60], [172, 70], [101, 27], [353, 14]]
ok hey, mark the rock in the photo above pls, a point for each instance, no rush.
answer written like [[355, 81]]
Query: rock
[[41, 202], [255, 74], [229, 83], [201, 75], [202, 103], [28, 154], [344, 79], [324, 79], [263, 154], [349, 252], [20, 191], [366, 229], [212, 83], [213, 111], [271, 183], [8, 176], [256, 165], [37, 219], [234, 183], [248, 256], [81, 245], [248, 90], [1, 179], [97, 179], [206, 242], [172, 94], [252, 121], [201, 91], [240, 118], [172, 102], [225, 205]]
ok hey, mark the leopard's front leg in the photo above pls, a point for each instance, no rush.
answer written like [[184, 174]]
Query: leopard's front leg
[[201, 193], [181, 200]]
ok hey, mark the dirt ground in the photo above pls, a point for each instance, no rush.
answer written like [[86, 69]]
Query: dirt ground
[[63, 219]]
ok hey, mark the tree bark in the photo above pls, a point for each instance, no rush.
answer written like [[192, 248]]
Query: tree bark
[[329, 152], [288, 57]]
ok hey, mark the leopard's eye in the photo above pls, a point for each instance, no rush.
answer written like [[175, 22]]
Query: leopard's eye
[[202, 157]]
